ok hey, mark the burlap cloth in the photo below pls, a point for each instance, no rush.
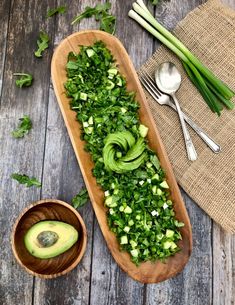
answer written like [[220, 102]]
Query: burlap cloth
[[209, 32]]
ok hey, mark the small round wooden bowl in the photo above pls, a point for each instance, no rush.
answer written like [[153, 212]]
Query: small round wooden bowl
[[49, 209]]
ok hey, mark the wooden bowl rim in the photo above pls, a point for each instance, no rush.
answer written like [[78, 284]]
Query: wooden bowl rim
[[84, 243]]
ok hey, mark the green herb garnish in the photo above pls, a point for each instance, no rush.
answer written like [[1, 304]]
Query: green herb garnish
[[54, 11], [139, 209], [25, 80], [215, 93], [154, 2], [42, 43], [24, 179], [23, 128], [80, 199], [101, 13]]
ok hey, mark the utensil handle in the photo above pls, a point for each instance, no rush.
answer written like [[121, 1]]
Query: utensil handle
[[200, 132], [191, 151]]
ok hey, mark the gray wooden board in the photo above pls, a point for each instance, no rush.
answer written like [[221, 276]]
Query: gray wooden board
[[47, 154]]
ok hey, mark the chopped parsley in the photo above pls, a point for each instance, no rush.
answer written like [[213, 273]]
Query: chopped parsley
[[139, 209], [24, 179], [23, 128], [24, 80], [42, 44], [58, 10], [101, 13], [80, 199]]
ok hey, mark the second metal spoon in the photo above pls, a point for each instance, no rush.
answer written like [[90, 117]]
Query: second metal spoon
[[168, 80]]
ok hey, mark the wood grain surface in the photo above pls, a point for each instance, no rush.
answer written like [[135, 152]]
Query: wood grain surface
[[47, 154]]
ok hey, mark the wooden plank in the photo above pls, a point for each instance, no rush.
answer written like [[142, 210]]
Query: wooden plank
[[21, 155], [62, 179], [193, 285], [223, 254], [109, 283], [5, 6]]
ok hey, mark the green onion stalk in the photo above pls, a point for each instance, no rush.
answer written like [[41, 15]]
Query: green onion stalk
[[213, 90]]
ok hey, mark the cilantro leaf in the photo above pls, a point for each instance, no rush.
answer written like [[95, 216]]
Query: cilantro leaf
[[24, 179], [101, 13], [154, 2], [54, 11], [42, 43], [80, 199], [25, 80], [23, 128]]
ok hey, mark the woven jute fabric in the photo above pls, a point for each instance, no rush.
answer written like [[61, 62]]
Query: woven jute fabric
[[209, 32]]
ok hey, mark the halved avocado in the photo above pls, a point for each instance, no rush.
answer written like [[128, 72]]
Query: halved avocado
[[49, 238]]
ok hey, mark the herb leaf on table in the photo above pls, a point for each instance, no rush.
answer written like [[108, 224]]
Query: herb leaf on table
[[101, 13], [154, 2], [58, 10], [42, 43], [25, 80], [80, 199], [24, 179], [23, 128]]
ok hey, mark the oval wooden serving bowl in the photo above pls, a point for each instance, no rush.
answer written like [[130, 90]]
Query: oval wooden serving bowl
[[147, 272], [49, 209]]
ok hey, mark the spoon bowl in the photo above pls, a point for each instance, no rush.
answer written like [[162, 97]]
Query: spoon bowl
[[168, 78]]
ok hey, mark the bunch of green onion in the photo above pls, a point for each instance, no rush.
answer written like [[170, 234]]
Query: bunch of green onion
[[213, 90]]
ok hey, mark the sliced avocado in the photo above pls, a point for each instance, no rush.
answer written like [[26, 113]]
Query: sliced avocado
[[47, 239]]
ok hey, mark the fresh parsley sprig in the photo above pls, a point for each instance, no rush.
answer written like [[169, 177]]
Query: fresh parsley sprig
[[43, 43], [154, 2], [24, 179], [58, 10], [23, 128], [101, 13], [80, 199], [25, 79]]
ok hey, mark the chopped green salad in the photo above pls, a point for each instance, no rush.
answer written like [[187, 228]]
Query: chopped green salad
[[139, 209]]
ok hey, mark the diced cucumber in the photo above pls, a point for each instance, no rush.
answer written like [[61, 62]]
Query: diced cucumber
[[167, 245], [131, 222], [85, 124], [90, 120], [127, 210], [89, 130], [134, 252], [149, 180], [154, 189], [173, 245], [113, 71], [155, 177], [165, 205], [133, 243], [149, 164], [90, 52], [106, 193], [141, 182], [111, 211], [159, 192], [124, 240], [83, 96], [121, 209], [138, 217], [164, 185], [116, 191], [127, 229], [169, 233], [108, 201], [143, 130], [154, 213], [123, 110]]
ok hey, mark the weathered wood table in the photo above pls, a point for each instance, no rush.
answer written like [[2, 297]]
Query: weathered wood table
[[46, 153]]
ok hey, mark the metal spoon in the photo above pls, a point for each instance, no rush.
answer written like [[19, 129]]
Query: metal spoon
[[168, 80]]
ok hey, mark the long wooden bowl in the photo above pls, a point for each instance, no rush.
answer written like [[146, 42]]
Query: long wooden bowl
[[147, 272]]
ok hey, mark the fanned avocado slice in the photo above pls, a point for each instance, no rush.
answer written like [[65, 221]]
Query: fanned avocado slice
[[134, 152]]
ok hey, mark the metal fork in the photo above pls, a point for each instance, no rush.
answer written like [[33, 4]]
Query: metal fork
[[164, 99]]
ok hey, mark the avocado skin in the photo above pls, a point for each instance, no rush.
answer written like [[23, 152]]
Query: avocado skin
[[68, 236]]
